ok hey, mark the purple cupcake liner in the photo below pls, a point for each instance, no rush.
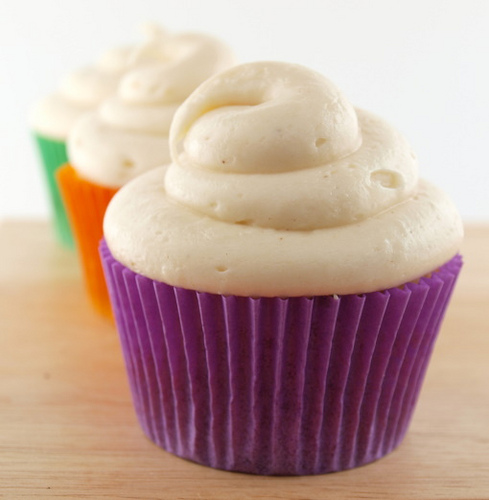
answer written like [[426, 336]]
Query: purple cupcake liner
[[294, 386]]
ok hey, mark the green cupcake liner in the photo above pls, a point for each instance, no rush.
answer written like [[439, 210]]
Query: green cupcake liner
[[53, 155]]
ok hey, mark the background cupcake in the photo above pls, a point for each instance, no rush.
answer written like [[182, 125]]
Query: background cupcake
[[128, 135], [53, 118], [279, 287]]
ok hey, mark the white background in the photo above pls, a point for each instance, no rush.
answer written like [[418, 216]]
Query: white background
[[421, 64]]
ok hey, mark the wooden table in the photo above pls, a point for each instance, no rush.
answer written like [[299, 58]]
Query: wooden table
[[67, 428]]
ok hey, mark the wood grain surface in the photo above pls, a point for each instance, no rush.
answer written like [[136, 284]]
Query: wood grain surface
[[67, 428]]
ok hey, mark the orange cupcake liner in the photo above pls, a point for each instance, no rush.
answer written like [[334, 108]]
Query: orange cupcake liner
[[85, 204]]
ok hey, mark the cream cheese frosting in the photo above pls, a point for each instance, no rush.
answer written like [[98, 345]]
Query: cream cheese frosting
[[128, 133], [79, 92], [278, 186]]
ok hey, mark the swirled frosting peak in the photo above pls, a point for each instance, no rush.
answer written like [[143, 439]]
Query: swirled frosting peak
[[292, 119], [336, 165], [170, 67], [278, 186], [80, 91], [128, 133]]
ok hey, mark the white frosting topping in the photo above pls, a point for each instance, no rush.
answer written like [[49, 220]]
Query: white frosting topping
[[79, 92], [128, 133], [279, 187]]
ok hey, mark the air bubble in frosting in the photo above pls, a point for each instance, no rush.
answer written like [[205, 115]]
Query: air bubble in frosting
[[387, 178]]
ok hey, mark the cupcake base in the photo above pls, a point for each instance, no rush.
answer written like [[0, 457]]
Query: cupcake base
[[276, 386], [85, 204], [53, 155]]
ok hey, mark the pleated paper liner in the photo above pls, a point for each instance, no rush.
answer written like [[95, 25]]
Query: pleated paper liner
[[53, 155], [275, 386], [85, 204]]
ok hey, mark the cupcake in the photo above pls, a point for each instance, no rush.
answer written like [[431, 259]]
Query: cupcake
[[278, 288], [128, 135], [53, 117]]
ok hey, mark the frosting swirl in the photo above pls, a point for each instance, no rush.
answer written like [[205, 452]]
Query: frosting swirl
[[128, 133], [294, 135], [79, 92], [279, 187]]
